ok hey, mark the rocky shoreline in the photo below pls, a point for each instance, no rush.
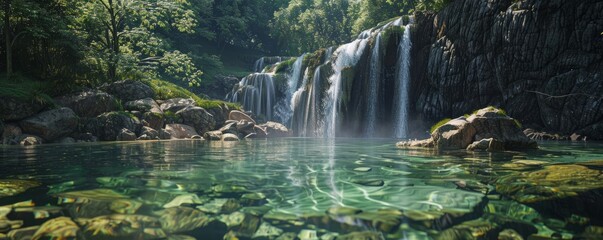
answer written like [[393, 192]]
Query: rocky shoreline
[[125, 111]]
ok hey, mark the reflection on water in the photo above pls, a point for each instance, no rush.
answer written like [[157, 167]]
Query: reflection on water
[[420, 193]]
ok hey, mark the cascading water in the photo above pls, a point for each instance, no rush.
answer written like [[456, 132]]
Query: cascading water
[[256, 94], [402, 83], [283, 109], [347, 55], [373, 88]]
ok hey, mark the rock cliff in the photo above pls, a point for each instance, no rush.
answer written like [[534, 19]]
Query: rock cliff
[[541, 60]]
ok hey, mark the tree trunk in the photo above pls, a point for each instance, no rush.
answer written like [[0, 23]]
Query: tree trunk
[[114, 45], [7, 31]]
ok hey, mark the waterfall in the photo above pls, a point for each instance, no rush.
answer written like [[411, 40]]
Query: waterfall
[[283, 109], [402, 84], [347, 55], [256, 94], [259, 65], [373, 88]]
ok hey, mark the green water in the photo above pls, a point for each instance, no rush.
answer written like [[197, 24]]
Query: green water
[[292, 182]]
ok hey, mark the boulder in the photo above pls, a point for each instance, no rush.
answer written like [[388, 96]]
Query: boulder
[[180, 131], [12, 109], [109, 125], [89, 104], [143, 105], [197, 117], [238, 116], [149, 132], [487, 129], [213, 135], [126, 135], [274, 129], [153, 120], [229, 137], [129, 90], [220, 113], [52, 124], [164, 135], [176, 104], [558, 190], [29, 140]]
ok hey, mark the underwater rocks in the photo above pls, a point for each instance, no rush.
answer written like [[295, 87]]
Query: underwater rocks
[[487, 129], [559, 190], [11, 187]]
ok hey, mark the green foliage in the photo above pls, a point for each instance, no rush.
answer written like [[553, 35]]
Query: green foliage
[[166, 90], [285, 65], [25, 89], [439, 124]]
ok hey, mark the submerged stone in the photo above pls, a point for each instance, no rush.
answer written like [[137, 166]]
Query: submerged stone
[[558, 190], [11, 187], [119, 226], [59, 228], [363, 169], [182, 219], [369, 182], [92, 203], [362, 236]]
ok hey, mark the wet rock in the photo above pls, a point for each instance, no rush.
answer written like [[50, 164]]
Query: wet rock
[[274, 129], [558, 190], [129, 90], [52, 124], [267, 231], [387, 221], [362, 236], [164, 134], [213, 135], [97, 202], [238, 116], [151, 133], [143, 105], [153, 120], [307, 234], [229, 137], [244, 127], [198, 118], [109, 125], [343, 211], [182, 219], [253, 199], [119, 226], [29, 140], [229, 128], [10, 134], [369, 182], [487, 227], [12, 109], [488, 123], [81, 103], [248, 226], [185, 199], [35, 215], [12, 187], [59, 228], [363, 169], [180, 131], [23, 233], [180, 237], [176, 104], [126, 135]]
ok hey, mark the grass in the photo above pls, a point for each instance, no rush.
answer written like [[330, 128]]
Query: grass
[[26, 89], [167, 90], [439, 124]]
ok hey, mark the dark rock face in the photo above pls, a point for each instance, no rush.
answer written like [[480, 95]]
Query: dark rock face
[[13, 109], [130, 90], [51, 124], [81, 103], [514, 55]]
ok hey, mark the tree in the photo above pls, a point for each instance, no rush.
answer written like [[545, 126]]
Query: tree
[[128, 38]]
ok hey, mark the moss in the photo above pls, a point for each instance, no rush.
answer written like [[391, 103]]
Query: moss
[[501, 111], [312, 61], [439, 124], [284, 66], [392, 32], [167, 90]]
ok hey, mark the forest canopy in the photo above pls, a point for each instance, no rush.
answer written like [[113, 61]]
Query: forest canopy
[[184, 41]]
